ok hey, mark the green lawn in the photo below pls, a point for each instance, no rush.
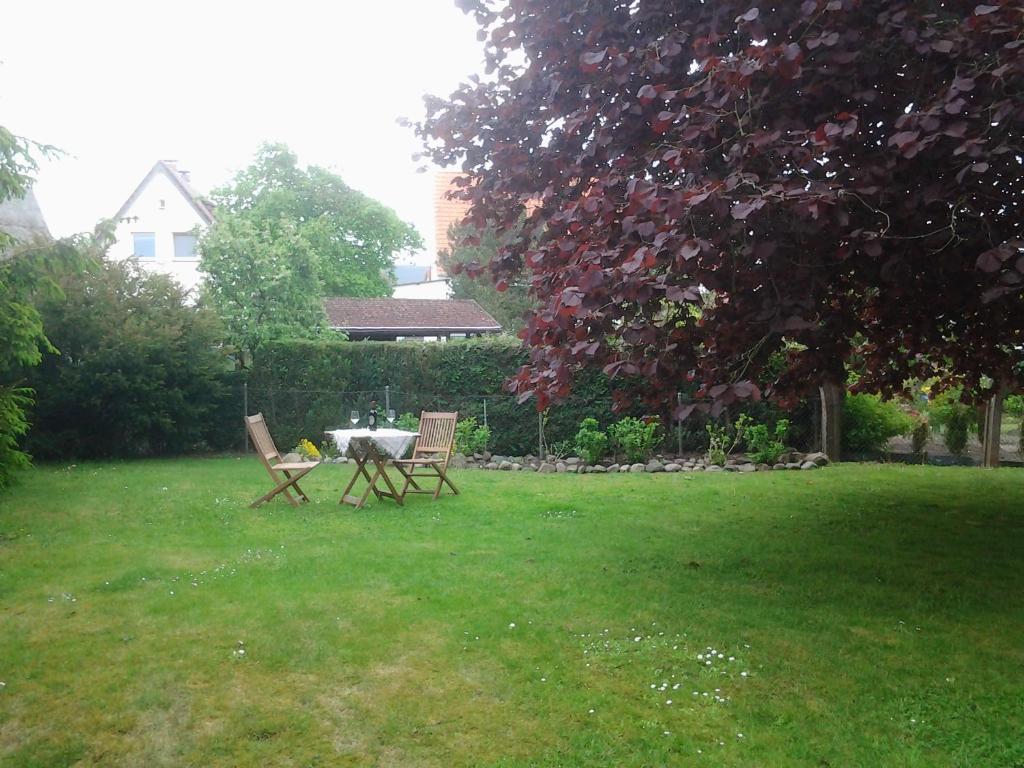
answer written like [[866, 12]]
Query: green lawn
[[859, 616]]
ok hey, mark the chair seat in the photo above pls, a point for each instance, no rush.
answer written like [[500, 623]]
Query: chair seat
[[293, 465], [433, 460]]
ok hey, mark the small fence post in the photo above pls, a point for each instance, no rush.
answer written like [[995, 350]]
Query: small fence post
[[679, 427], [485, 411], [540, 436], [387, 398], [245, 414]]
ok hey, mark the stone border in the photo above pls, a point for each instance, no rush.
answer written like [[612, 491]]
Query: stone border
[[661, 463]]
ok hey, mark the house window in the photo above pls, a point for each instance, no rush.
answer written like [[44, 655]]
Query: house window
[[144, 245], [185, 246]]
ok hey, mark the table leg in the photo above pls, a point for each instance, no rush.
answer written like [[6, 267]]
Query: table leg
[[381, 463], [357, 501]]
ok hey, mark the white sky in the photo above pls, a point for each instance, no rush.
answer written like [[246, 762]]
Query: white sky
[[120, 85]]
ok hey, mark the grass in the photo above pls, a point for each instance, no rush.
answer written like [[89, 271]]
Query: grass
[[865, 616]]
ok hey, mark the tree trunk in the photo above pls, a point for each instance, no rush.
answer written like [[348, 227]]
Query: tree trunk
[[993, 429], [831, 418]]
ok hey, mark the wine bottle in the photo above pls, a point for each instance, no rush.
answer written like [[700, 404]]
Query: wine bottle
[[371, 420]]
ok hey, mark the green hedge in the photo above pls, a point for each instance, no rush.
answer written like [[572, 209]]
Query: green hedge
[[140, 372], [304, 387]]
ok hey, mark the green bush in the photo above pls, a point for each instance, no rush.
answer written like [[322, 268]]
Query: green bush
[[14, 401], [409, 422], [869, 422], [559, 450], [591, 442], [30, 271], [1014, 405], [720, 444], [957, 425], [955, 418], [763, 446], [470, 437], [635, 438], [139, 373], [919, 435]]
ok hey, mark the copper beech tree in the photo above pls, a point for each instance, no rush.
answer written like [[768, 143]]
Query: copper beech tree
[[819, 181]]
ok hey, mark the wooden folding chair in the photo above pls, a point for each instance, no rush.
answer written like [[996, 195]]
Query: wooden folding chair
[[293, 471], [430, 457]]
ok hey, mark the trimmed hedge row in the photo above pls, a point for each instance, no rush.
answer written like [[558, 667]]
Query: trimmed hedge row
[[304, 387]]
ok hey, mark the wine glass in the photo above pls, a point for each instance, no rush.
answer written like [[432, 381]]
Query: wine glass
[[391, 416], [354, 417]]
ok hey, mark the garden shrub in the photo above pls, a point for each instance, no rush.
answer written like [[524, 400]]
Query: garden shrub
[[560, 450], [635, 438], [29, 275], [408, 422], [720, 444], [1014, 405], [919, 434], [591, 442], [139, 373], [14, 401], [763, 446], [869, 422], [955, 418], [471, 437], [957, 426]]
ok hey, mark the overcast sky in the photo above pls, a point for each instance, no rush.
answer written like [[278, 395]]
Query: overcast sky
[[120, 85]]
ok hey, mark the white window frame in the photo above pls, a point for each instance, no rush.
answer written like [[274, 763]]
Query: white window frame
[[174, 242], [138, 256]]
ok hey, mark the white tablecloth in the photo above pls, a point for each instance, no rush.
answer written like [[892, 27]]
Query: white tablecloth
[[390, 443]]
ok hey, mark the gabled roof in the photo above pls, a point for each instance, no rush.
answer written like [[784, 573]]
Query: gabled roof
[[410, 317], [22, 220], [180, 180]]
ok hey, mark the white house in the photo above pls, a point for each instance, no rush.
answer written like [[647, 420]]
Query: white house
[[159, 224], [438, 289], [414, 281]]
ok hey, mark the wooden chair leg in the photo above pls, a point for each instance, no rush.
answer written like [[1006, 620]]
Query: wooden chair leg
[[281, 487], [442, 478], [295, 485], [285, 489], [408, 477]]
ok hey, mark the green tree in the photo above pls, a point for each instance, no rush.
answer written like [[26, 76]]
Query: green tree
[[140, 371], [285, 237], [29, 266], [509, 307], [262, 280]]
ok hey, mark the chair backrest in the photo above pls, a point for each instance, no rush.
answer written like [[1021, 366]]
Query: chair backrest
[[257, 427], [437, 434]]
